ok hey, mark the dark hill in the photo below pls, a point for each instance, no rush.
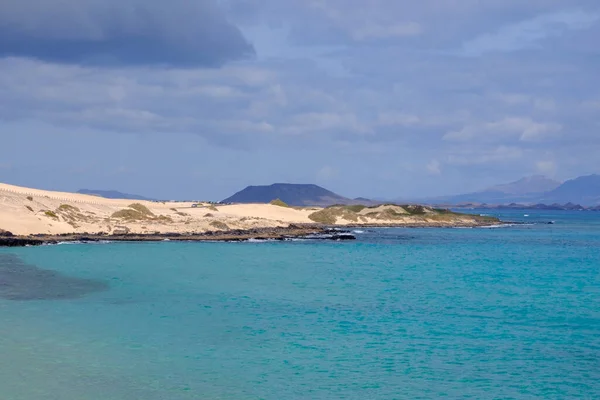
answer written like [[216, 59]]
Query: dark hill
[[113, 194], [292, 194], [584, 190], [525, 190]]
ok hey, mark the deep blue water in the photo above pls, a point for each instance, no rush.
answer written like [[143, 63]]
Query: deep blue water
[[506, 313]]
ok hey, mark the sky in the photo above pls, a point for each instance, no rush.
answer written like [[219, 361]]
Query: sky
[[196, 99]]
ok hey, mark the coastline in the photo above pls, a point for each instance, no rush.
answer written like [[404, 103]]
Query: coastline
[[238, 235], [296, 231], [30, 217]]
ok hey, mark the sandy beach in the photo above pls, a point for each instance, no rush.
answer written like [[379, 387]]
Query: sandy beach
[[27, 211]]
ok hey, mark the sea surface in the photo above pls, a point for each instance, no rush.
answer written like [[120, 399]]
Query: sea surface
[[495, 313]]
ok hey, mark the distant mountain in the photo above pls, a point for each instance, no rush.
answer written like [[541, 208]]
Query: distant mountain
[[583, 190], [113, 194], [526, 190], [292, 194], [534, 191], [527, 185]]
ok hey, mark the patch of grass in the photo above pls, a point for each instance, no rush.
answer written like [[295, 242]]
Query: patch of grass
[[390, 213], [356, 208], [68, 208], [51, 214], [181, 214], [29, 208], [163, 218], [415, 209], [279, 203], [208, 215], [142, 209], [137, 212], [213, 208], [29, 198], [219, 225], [129, 215], [330, 215]]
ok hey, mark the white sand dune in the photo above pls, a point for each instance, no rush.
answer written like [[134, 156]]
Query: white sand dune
[[25, 211]]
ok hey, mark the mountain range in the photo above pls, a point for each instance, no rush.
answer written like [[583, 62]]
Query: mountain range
[[584, 190], [532, 190]]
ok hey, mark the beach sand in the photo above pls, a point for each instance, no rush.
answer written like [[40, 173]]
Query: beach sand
[[25, 211]]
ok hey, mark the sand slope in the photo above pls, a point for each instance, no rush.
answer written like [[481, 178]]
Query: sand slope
[[25, 211]]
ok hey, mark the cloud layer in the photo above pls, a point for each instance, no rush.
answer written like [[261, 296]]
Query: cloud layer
[[120, 32], [382, 98]]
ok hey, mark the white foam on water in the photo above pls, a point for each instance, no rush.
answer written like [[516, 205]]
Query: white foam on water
[[252, 240]]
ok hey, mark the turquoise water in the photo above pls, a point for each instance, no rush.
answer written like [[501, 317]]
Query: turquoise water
[[399, 314]]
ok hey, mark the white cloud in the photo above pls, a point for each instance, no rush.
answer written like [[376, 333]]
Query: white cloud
[[529, 33], [468, 157], [517, 128], [434, 167], [326, 173], [315, 122], [379, 31], [392, 118], [546, 167]]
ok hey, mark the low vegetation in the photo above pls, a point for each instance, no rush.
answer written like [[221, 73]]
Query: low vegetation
[[51, 214], [279, 203], [142, 209], [181, 214], [390, 213], [330, 215], [29, 198], [68, 208], [29, 208], [213, 208], [219, 225], [73, 215], [138, 212]]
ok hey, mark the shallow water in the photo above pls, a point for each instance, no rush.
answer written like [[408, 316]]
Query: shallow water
[[401, 313]]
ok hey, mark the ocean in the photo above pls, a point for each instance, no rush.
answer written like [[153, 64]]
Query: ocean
[[485, 313]]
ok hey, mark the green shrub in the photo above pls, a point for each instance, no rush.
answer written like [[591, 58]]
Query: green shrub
[[142, 209], [128, 214], [330, 215], [415, 209], [279, 203], [219, 225], [213, 208], [67, 208], [50, 214], [356, 208]]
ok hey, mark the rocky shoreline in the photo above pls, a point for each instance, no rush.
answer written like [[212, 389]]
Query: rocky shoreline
[[274, 234], [295, 231]]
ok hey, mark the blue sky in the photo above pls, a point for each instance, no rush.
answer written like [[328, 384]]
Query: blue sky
[[380, 98]]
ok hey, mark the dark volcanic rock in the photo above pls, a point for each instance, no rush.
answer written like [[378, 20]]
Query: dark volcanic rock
[[21, 282]]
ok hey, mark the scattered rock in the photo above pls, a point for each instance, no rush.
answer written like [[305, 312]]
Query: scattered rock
[[121, 230]]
